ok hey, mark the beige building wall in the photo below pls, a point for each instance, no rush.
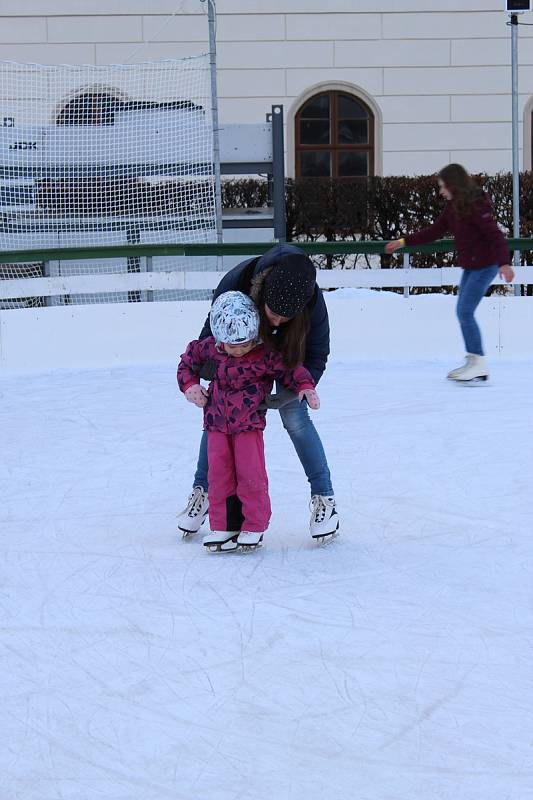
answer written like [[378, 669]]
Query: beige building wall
[[436, 73]]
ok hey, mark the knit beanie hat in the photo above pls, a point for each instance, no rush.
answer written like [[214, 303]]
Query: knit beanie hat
[[290, 285]]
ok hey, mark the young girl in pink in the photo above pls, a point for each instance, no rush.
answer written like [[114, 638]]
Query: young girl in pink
[[244, 374]]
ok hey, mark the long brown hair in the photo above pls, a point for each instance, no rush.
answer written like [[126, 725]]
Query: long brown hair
[[290, 339], [463, 188]]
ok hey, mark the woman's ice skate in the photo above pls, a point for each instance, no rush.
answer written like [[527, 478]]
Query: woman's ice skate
[[473, 370], [191, 519], [324, 518]]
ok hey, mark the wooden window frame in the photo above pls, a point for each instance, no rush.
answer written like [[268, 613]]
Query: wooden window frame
[[334, 147]]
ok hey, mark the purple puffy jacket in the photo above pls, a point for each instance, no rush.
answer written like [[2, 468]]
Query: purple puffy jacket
[[478, 240], [240, 384]]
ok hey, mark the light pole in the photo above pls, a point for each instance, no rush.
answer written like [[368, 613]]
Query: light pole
[[513, 8]]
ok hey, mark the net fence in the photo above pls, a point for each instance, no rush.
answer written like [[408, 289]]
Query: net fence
[[102, 155]]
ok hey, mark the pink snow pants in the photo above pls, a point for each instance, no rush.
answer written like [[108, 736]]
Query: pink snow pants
[[237, 467]]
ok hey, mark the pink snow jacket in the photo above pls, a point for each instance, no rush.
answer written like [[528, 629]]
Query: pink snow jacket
[[240, 384]]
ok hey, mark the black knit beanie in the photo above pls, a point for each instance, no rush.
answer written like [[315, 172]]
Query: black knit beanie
[[290, 285]]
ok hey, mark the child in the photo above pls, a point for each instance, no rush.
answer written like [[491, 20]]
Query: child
[[244, 373], [482, 251]]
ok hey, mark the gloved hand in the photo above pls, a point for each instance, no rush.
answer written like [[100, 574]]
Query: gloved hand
[[208, 370], [311, 396], [277, 400], [196, 394]]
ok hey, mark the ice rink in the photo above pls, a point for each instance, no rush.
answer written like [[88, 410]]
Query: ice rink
[[394, 664]]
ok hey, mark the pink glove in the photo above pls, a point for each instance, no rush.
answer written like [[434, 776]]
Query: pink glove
[[311, 397], [196, 394], [396, 244]]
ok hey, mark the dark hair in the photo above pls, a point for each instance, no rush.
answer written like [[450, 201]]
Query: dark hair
[[463, 188], [291, 338]]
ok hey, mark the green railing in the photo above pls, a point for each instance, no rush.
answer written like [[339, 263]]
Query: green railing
[[247, 248]]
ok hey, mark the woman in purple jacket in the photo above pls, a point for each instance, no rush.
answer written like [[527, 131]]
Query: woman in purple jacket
[[482, 253]]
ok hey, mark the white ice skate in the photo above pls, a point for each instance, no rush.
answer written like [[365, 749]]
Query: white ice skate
[[324, 518], [473, 370], [221, 541], [191, 519], [249, 540]]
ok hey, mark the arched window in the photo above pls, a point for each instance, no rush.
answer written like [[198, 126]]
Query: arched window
[[90, 108], [334, 137], [99, 106]]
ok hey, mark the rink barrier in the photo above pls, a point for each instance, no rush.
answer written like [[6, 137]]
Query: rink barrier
[[178, 279]]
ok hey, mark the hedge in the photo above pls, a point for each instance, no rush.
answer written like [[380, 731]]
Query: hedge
[[375, 208]]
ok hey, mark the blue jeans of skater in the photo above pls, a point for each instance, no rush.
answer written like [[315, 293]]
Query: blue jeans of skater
[[472, 289], [297, 422]]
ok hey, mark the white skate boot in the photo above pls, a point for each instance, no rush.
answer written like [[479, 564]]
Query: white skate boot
[[221, 541], [474, 369], [324, 518], [249, 540], [451, 375], [191, 519]]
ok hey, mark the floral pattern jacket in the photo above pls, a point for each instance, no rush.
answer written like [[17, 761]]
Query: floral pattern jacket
[[240, 384]]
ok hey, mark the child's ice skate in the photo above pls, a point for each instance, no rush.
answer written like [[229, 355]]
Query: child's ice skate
[[249, 540], [221, 541], [191, 519], [473, 370], [324, 518]]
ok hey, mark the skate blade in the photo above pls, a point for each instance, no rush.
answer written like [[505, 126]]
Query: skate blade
[[186, 534], [222, 547], [481, 380], [326, 538]]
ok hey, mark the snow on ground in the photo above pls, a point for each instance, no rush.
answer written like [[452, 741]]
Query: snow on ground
[[394, 664]]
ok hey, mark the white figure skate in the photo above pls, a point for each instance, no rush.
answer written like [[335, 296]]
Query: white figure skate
[[474, 370], [221, 541], [249, 540], [324, 518]]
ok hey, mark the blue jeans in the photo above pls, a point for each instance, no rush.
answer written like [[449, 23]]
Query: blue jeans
[[306, 441], [472, 289]]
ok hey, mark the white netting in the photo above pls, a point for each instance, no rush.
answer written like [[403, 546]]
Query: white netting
[[101, 155]]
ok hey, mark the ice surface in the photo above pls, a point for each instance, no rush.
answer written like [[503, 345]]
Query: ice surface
[[394, 664]]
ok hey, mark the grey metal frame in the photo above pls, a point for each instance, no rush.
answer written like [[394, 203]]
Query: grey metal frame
[[274, 170]]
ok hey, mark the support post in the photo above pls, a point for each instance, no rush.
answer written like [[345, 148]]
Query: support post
[[406, 266], [46, 274], [270, 176], [149, 268], [211, 14], [278, 168], [133, 236], [516, 161]]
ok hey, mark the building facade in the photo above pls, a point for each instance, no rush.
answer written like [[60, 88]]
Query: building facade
[[386, 87]]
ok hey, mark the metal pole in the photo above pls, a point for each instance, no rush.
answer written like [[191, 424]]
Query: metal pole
[[47, 273], [211, 14], [149, 263], [406, 267], [278, 167], [516, 162]]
